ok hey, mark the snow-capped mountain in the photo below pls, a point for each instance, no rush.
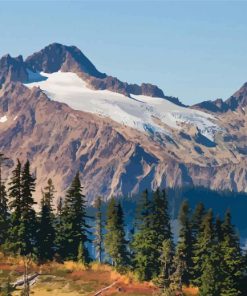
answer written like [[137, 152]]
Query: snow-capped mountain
[[63, 114]]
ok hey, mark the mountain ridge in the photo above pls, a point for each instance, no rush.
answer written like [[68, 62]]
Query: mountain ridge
[[116, 159]]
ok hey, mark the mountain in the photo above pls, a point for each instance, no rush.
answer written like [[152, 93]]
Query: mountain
[[236, 101], [59, 111]]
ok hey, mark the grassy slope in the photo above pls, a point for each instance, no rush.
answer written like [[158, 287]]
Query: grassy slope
[[72, 279]]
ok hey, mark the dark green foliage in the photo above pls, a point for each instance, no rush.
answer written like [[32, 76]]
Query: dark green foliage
[[184, 246], [98, 241], [4, 215], [22, 235], [144, 249], [46, 231], [115, 242], [210, 281], [160, 222], [232, 259], [153, 227], [28, 222], [74, 227], [203, 245]]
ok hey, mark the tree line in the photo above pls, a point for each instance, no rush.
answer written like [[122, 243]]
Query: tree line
[[207, 253]]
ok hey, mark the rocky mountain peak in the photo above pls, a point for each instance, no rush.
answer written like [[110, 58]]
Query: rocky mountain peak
[[55, 57], [12, 69], [237, 100]]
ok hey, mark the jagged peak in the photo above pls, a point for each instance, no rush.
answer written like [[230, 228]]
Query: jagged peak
[[56, 56]]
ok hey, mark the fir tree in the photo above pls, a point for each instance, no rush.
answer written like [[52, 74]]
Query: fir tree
[[218, 229], [4, 215], [203, 246], [210, 278], [74, 221], [166, 259], [46, 234], [98, 241], [160, 217], [232, 259], [115, 242], [15, 205], [28, 223], [59, 232], [184, 247], [147, 240], [196, 220]]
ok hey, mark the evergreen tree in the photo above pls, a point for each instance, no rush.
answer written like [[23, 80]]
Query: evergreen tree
[[98, 241], [210, 280], [232, 259], [46, 234], [28, 222], [74, 221], [145, 253], [166, 259], [160, 218], [15, 205], [59, 232], [115, 242], [184, 246], [218, 230], [203, 246], [4, 215], [196, 220]]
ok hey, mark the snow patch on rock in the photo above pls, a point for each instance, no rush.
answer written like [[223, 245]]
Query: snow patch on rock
[[137, 111], [3, 119]]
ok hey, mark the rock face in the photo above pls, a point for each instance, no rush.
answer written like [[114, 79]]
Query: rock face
[[112, 158], [12, 69], [237, 100]]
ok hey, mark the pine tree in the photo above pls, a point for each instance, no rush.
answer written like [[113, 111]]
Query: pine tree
[[59, 232], [46, 233], [196, 227], [28, 223], [142, 245], [196, 220], [166, 259], [218, 229], [115, 242], [203, 246], [15, 205], [74, 221], [184, 246], [98, 241], [210, 281], [160, 217], [232, 259], [4, 215]]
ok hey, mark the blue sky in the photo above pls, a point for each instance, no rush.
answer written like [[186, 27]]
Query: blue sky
[[192, 50]]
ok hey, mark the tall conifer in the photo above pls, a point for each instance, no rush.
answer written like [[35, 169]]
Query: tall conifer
[[74, 221], [98, 241], [46, 231]]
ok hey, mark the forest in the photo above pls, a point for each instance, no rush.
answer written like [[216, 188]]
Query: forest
[[206, 254]]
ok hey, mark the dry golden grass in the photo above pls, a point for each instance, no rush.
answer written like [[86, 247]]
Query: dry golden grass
[[72, 278], [190, 291]]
